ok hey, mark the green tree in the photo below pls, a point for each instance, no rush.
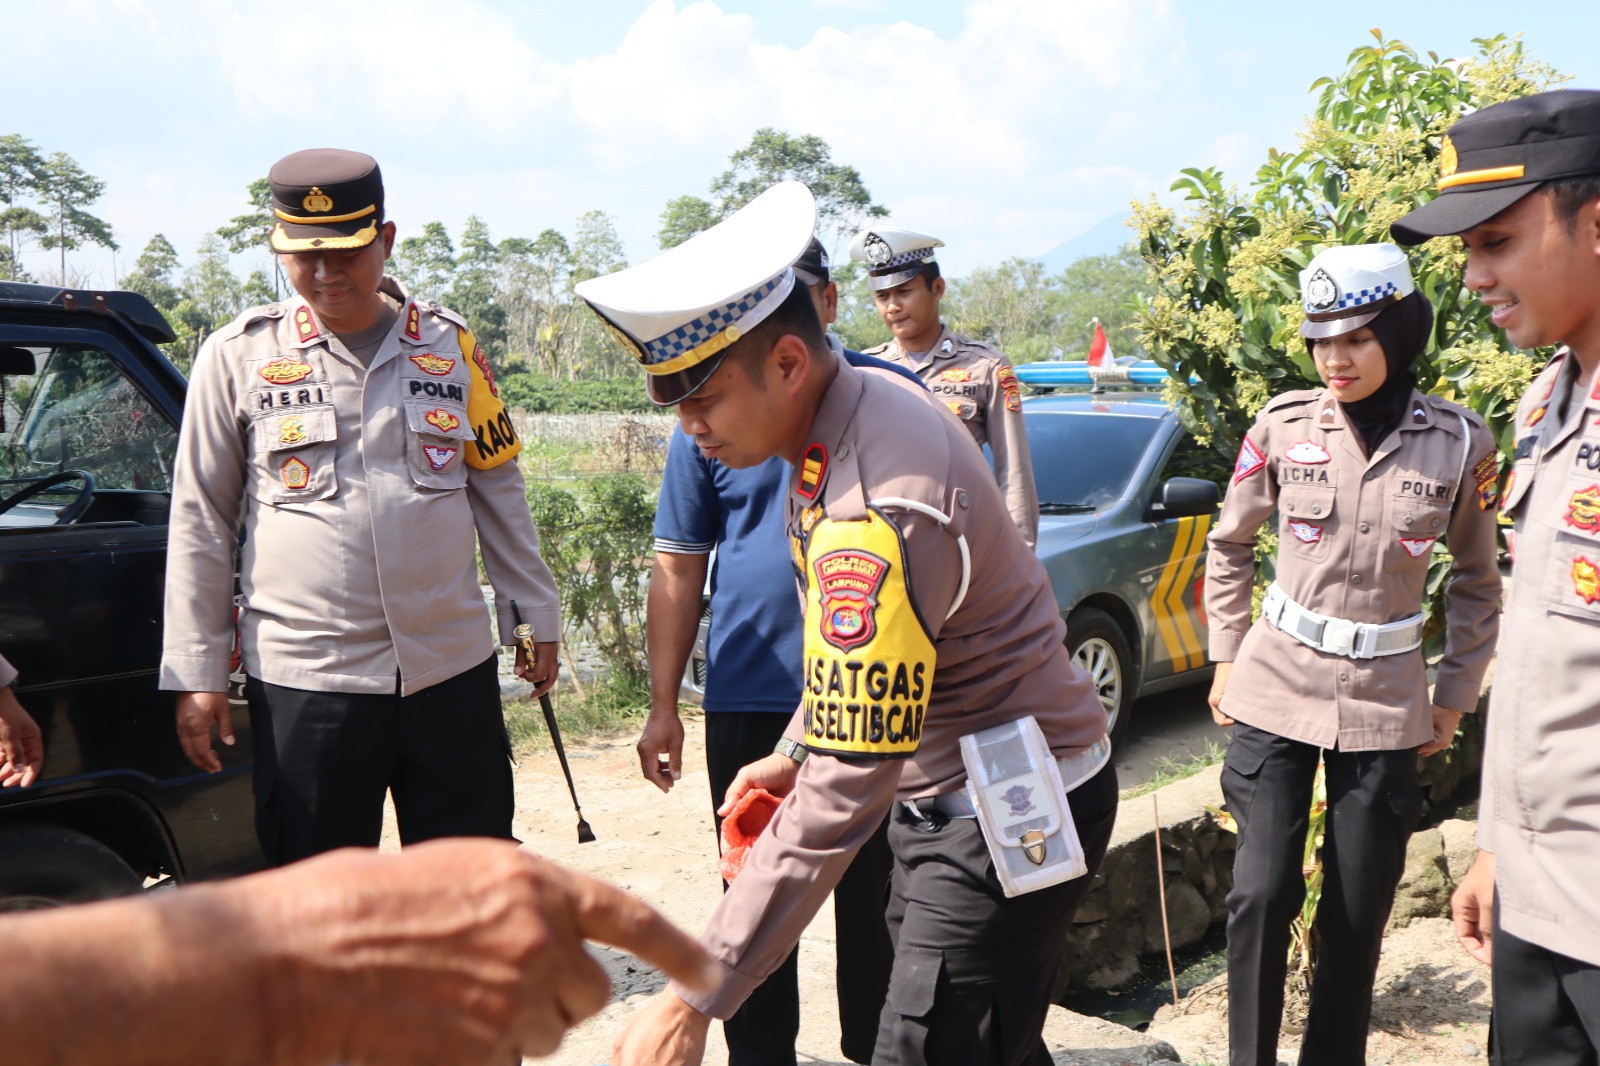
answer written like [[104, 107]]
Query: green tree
[[250, 231], [212, 296], [843, 202], [21, 174], [67, 190], [475, 288], [155, 273], [1011, 306], [1107, 287], [427, 263]]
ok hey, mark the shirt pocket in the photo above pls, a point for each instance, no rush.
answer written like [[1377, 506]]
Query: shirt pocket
[[1415, 525], [295, 454], [1306, 520], [436, 444], [964, 409], [1572, 580]]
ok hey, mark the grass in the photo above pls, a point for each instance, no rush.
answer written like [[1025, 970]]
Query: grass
[[607, 707], [1175, 768]]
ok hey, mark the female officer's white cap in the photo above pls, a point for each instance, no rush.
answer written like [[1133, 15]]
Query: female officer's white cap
[[893, 256], [678, 313], [1344, 288]]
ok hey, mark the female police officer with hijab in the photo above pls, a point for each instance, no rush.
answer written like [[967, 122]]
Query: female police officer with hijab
[[1365, 475]]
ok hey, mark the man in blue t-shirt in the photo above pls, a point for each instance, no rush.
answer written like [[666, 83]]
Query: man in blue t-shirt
[[753, 666]]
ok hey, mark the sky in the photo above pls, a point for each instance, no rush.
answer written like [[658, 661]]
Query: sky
[[1004, 127]]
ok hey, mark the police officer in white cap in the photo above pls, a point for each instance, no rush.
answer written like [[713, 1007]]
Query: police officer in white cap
[[929, 628], [973, 379], [1365, 474]]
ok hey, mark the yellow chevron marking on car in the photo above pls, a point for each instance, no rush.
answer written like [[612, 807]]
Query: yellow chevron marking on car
[[1172, 618]]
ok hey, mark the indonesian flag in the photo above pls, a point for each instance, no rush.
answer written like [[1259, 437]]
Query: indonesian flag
[[1099, 348]]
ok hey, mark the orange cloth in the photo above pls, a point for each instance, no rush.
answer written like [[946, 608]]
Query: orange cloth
[[741, 828]]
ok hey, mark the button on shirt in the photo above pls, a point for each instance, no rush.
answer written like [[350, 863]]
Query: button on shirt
[[1355, 537], [361, 500], [1540, 813]]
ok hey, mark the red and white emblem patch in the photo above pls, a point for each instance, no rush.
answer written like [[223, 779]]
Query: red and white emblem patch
[[1305, 532], [1417, 547], [1307, 451], [847, 581], [295, 473], [1251, 459], [439, 458]]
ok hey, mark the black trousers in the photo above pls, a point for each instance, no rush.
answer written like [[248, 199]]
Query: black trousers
[[762, 1032], [324, 761], [1374, 802], [1546, 1005], [973, 970]]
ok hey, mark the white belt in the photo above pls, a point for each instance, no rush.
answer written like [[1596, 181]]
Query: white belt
[[1075, 770], [1340, 636]]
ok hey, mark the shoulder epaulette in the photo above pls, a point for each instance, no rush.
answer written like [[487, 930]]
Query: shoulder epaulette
[[248, 318], [437, 309], [876, 349], [1473, 417], [1296, 398], [971, 343]]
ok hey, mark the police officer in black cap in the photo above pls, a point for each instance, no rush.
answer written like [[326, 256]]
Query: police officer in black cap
[[357, 436], [1519, 182]]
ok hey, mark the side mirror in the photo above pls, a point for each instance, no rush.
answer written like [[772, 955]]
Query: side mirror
[[1185, 496], [17, 361]]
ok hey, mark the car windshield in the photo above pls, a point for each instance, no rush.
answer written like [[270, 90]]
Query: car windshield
[[1083, 460]]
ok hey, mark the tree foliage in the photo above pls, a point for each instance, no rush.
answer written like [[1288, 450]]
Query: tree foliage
[[21, 176], [67, 191]]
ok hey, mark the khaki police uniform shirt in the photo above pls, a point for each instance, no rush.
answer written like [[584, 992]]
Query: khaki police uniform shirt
[[8, 673], [1540, 814], [1355, 536], [362, 492], [976, 382], [1001, 656]]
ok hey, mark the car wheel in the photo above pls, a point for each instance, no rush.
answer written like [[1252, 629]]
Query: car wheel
[[43, 866], [1097, 644]]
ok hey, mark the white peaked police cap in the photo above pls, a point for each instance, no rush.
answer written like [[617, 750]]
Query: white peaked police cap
[[893, 256], [679, 312], [1344, 288]]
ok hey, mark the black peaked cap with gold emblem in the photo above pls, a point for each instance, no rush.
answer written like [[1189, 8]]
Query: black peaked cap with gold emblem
[[325, 198], [1494, 157]]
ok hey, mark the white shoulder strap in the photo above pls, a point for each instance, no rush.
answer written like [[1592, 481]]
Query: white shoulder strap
[[944, 520]]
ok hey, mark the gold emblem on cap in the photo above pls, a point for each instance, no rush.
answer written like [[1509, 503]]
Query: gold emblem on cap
[[1447, 157], [317, 201]]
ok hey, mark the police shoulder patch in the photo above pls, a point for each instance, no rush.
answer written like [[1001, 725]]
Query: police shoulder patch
[[869, 659], [1251, 459], [496, 439]]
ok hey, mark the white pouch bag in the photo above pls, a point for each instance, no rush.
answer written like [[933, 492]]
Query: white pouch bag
[[1017, 794]]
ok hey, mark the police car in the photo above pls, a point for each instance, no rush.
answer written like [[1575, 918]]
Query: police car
[[1126, 499]]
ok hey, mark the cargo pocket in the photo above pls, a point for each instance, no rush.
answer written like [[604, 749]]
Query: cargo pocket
[[913, 991], [437, 444], [1415, 526], [295, 452], [1241, 775], [1305, 520]]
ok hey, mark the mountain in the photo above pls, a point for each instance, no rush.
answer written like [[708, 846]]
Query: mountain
[[1107, 236]]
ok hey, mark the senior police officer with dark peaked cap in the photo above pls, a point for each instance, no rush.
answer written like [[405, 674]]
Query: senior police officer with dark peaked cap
[[1366, 475], [1519, 182], [975, 380], [358, 437], [927, 619]]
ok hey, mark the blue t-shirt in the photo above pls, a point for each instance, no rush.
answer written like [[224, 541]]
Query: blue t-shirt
[[753, 656]]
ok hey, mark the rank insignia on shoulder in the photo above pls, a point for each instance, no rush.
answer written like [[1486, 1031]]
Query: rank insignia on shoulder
[[1305, 532], [295, 473], [441, 419], [413, 322], [438, 457], [813, 465], [1419, 415], [1008, 381], [1416, 547], [1537, 416], [1307, 451], [1583, 510], [1511, 483], [955, 374], [947, 347], [436, 365], [305, 326], [286, 370], [291, 431], [1585, 579], [1327, 417], [1250, 460]]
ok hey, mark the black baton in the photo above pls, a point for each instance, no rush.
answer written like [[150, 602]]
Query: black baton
[[524, 636]]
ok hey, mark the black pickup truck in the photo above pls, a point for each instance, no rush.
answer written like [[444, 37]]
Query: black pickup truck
[[89, 415]]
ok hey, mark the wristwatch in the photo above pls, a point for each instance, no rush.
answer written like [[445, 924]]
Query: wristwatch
[[792, 748]]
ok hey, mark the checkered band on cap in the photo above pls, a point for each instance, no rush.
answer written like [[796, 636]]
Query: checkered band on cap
[[1362, 297], [691, 335], [903, 258]]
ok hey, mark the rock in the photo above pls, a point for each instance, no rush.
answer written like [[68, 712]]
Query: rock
[[1424, 890], [1188, 918], [1460, 846]]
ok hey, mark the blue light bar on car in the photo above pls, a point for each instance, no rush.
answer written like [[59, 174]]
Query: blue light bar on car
[[1077, 372]]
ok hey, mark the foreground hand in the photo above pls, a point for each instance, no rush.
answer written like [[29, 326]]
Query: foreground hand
[[541, 673], [668, 1032], [1445, 722], [21, 743], [455, 951], [197, 713], [663, 735], [1472, 908], [776, 773], [1219, 685]]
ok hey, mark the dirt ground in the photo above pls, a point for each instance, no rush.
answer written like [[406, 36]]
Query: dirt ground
[[1431, 1002]]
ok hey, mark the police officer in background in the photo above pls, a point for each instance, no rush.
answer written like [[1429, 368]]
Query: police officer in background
[[973, 379], [921, 592], [1365, 474], [1519, 182], [358, 437]]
